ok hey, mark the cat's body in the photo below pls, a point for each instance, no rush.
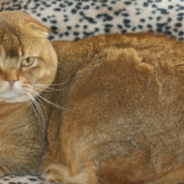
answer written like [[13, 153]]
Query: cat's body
[[122, 100]]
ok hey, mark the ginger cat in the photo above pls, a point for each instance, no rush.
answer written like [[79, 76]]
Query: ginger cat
[[121, 98]]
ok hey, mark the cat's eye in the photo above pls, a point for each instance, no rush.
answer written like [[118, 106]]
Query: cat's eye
[[27, 62]]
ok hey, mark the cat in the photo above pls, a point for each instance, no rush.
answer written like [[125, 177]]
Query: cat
[[105, 109]]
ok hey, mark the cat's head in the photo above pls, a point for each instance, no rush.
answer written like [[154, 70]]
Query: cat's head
[[28, 62]]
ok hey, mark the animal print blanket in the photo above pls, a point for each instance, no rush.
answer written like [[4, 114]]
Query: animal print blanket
[[76, 19]]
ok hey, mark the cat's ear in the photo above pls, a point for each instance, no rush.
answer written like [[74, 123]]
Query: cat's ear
[[38, 29]]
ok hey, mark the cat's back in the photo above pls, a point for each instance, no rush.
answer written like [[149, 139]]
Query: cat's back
[[125, 100], [133, 75], [147, 42], [125, 63], [153, 49]]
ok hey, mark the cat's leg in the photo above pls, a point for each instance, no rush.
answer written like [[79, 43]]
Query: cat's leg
[[174, 177], [59, 173]]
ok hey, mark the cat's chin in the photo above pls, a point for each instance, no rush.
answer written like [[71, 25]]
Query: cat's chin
[[13, 98]]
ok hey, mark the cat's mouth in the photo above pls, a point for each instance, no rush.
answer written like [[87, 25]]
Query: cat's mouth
[[12, 97], [13, 93]]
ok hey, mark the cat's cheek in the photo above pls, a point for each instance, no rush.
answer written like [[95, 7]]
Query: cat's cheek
[[25, 78], [4, 86], [29, 76], [18, 88], [48, 73], [45, 75], [37, 72]]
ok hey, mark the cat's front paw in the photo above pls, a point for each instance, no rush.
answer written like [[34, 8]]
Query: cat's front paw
[[55, 173], [58, 173]]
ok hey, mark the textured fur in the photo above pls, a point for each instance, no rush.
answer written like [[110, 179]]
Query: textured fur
[[121, 120]]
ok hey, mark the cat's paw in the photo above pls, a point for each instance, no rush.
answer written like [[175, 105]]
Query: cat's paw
[[58, 173], [55, 173]]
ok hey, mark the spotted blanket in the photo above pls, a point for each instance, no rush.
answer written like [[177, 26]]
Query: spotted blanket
[[76, 19]]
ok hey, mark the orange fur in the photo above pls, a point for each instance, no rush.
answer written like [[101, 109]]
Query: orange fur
[[121, 120], [22, 139]]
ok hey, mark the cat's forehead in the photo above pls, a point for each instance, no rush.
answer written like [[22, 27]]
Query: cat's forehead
[[18, 31], [17, 52], [10, 43], [11, 37], [15, 43]]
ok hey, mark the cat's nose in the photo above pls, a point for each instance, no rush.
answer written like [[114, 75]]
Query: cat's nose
[[11, 76], [11, 82]]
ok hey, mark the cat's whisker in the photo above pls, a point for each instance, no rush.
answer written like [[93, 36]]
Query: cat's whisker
[[37, 105], [41, 124], [49, 89], [63, 89], [40, 103], [40, 88], [39, 96], [59, 84], [51, 103], [32, 105], [34, 101]]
